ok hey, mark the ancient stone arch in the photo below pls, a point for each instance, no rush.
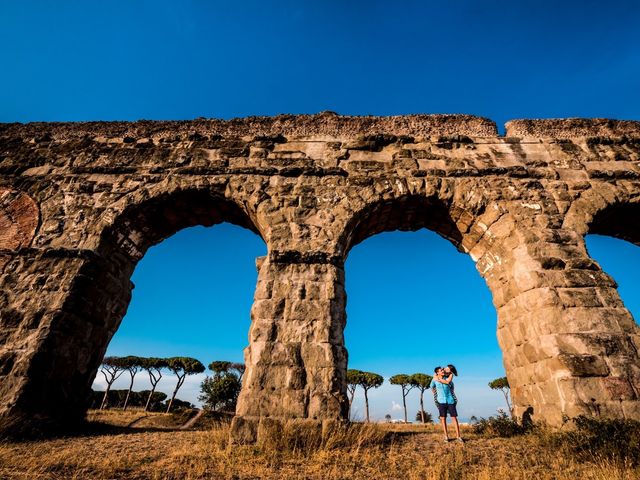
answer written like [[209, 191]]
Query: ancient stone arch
[[80, 204]]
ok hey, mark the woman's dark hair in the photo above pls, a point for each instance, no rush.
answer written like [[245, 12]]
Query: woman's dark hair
[[453, 370], [435, 370]]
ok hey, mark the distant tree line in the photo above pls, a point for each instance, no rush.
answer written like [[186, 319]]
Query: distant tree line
[[138, 399], [369, 380], [420, 381], [113, 367], [364, 380], [218, 392]]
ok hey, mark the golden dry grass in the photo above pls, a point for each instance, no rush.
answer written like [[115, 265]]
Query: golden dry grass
[[412, 452], [138, 418]]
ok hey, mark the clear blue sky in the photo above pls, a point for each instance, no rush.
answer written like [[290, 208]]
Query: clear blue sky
[[124, 60], [164, 59]]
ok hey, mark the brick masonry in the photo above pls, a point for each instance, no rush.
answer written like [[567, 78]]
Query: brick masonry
[[80, 203]]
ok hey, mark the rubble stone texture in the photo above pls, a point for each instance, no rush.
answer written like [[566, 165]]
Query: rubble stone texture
[[80, 203]]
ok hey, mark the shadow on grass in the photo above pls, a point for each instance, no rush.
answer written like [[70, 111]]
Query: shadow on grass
[[30, 429]]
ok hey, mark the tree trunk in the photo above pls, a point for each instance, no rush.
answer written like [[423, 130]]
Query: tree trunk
[[126, 400], [404, 403], [114, 376], [422, 406], [175, 391], [103, 405], [353, 394], [506, 398], [153, 389], [366, 403]]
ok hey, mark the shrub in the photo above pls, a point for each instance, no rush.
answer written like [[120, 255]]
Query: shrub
[[220, 392], [179, 405], [428, 418], [501, 425], [612, 439]]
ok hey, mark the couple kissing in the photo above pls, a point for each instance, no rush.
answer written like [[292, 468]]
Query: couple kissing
[[445, 398]]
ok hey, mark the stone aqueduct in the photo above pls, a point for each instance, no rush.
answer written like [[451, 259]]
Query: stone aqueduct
[[80, 204]]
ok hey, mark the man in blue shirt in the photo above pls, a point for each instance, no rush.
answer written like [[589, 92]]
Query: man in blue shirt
[[442, 388]]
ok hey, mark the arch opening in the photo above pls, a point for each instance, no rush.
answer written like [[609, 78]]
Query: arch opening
[[621, 260], [612, 239], [617, 221], [147, 223], [408, 213], [192, 298], [101, 292], [404, 294]]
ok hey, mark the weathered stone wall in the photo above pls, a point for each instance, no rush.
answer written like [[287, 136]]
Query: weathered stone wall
[[80, 204]]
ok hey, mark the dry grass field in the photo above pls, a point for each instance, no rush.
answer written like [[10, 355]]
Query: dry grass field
[[152, 448]]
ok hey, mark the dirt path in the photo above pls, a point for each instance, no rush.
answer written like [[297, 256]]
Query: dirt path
[[189, 423], [134, 422]]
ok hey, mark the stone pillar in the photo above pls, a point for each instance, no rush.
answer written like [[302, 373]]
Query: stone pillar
[[54, 331], [34, 287], [296, 360], [570, 346]]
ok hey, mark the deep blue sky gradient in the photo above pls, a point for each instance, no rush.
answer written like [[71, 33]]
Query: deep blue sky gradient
[[161, 59], [413, 300]]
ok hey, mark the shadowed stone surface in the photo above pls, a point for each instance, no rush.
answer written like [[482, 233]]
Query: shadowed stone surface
[[81, 203]]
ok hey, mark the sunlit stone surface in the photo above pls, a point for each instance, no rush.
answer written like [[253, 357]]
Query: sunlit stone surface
[[81, 203]]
